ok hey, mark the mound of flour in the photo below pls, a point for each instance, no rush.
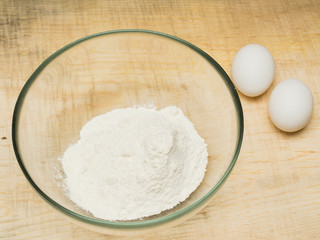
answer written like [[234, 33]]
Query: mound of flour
[[132, 163]]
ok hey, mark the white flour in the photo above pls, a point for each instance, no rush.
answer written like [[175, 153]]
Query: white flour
[[134, 162]]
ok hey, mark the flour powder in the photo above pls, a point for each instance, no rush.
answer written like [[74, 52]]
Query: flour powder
[[134, 162]]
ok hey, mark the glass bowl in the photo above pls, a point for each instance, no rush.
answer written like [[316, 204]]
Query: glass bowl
[[118, 69]]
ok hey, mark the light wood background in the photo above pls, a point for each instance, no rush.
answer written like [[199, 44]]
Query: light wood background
[[274, 189]]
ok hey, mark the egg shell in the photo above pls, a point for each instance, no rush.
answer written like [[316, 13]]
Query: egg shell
[[253, 70], [291, 105]]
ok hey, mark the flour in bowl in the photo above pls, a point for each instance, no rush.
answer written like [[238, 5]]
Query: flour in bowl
[[132, 163]]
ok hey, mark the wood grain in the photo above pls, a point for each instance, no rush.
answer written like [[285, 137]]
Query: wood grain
[[274, 190]]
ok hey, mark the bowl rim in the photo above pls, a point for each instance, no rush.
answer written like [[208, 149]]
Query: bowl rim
[[131, 224]]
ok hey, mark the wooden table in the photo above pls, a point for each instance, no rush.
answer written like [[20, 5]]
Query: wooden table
[[274, 189]]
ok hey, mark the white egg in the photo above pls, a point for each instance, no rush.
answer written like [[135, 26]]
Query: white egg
[[291, 105], [253, 70]]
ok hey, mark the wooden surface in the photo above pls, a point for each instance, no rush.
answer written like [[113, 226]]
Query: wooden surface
[[274, 189]]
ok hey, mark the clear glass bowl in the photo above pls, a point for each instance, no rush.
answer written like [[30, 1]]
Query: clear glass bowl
[[118, 69]]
